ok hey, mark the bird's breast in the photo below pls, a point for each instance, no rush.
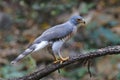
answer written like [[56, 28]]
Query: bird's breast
[[74, 30], [70, 35]]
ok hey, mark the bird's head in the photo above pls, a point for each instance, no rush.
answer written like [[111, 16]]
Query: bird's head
[[77, 20]]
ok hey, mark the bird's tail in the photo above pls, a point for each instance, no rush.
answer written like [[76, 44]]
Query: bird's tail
[[32, 48], [22, 55]]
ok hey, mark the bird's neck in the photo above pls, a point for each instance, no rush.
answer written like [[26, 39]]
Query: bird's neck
[[73, 22], [70, 23]]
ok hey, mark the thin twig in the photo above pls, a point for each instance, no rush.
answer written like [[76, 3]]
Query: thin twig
[[88, 66]]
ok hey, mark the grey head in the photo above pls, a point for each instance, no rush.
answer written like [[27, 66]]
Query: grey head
[[77, 20]]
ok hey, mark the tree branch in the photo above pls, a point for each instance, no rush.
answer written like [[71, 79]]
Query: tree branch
[[81, 57]]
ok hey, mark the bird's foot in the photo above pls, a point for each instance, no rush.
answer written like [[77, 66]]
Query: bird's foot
[[63, 59], [56, 61]]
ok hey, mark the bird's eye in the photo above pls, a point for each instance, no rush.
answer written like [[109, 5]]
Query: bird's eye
[[78, 20]]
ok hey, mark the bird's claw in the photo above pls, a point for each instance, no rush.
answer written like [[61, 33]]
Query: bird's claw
[[63, 59], [56, 61]]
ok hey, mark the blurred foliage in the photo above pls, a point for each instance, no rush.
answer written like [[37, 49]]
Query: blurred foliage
[[8, 71], [98, 34], [21, 21], [76, 74]]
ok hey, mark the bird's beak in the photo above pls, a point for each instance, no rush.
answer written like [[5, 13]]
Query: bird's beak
[[83, 21]]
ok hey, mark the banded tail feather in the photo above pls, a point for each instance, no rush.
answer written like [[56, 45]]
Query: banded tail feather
[[33, 48], [22, 55]]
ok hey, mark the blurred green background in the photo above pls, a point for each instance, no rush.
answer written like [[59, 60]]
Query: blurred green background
[[21, 21]]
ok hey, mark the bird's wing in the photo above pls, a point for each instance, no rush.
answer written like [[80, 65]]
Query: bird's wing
[[55, 33]]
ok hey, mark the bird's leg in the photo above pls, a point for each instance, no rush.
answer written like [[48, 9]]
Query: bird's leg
[[61, 58], [50, 51], [56, 59]]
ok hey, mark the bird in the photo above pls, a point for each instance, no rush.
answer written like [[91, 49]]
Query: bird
[[55, 36]]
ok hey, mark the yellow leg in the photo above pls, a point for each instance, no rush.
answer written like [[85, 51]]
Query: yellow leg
[[62, 59], [50, 51], [56, 60]]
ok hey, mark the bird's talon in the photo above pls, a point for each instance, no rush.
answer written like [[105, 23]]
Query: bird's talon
[[61, 62], [56, 61], [63, 59]]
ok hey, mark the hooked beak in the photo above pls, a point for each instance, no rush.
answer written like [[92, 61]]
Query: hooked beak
[[83, 21]]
